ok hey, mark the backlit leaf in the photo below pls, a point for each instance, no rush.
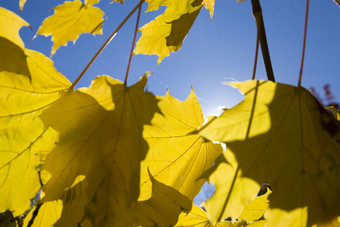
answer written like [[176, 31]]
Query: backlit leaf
[[47, 216], [70, 20], [255, 210], [280, 134], [10, 26], [176, 157], [166, 33], [164, 206], [101, 138], [21, 4], [67, 211], [28, 84], [232, 191], [250, 216]]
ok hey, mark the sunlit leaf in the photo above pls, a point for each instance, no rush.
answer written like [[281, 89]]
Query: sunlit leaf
[[209, 4], [281, 135], [255, 210], [101, 138], [28, 84], [176, 157], [67, 211], [232, 191], [164, 206], [166, 33], [47, 215], [250, 216], [70, 20], [10, 26], [21, 4]]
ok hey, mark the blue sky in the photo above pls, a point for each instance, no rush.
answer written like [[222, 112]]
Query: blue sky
[[215, 51]]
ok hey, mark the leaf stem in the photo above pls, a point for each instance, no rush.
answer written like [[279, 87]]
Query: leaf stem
[[133, 45], [256, 54], [257, 12], [105, 44], [304, 43]]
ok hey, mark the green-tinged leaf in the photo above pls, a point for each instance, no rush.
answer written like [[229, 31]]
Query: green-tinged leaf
[[70, 20], [101, 138], [26, 89], [166, 33], [164, 206], [281, 135], [176, 157], [10, 26]]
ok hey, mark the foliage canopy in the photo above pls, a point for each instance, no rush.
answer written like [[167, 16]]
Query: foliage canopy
[[116, 155]]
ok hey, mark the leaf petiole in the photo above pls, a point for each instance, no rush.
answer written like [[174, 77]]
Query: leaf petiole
[[114, 33]]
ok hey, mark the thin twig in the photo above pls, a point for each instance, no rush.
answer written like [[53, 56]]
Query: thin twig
[[337, 2], [304, 43], [256, 53], [133, 45], [106, 43], [257, 11]]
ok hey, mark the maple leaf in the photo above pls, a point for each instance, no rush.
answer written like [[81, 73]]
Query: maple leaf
[[250, 216], [166, 33], [164, 206], [28, 84], [100, 131], [70, 20], [280, 134], [11, 24], [176, 157], [66, 211]]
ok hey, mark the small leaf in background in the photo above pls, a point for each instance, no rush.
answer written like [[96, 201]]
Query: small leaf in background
[[21, 4], [100, 131], [166, 33], [176, 157], [70, 20], [280, 134], [164, 206]]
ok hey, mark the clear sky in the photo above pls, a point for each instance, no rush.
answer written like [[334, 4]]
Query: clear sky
[[215, 51]]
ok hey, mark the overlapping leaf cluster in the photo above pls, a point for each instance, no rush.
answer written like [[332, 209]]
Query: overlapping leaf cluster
[[112, 155]]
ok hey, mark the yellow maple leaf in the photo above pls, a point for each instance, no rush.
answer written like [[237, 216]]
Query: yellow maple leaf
[[28, 84], [250, 216], [100, 131], [164, 206], [66, 211], [176, 157], [280, 134], [166, 33], [70, 20], [10, 26]]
